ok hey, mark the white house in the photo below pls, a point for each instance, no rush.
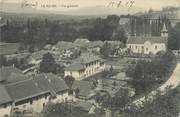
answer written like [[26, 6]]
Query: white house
[[148, 45], [87, 65]]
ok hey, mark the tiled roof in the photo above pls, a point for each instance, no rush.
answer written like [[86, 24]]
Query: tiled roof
[[5, 72], [142, 40], [75, 67], [88, 57], [79, 63], [15, 77], [4, 97], [64, 45], [51, 82], [23, 90], [38, 85]]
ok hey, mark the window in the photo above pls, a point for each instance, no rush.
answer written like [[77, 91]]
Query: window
[[31, 101], [136, 47], [5, 106], [155, 46], [142, 47], [146, 49], [45, 96]]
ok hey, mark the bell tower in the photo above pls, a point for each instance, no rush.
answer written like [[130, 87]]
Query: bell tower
[[164, 31]]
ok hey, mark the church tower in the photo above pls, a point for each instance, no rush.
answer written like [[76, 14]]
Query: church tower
[[164, 31]]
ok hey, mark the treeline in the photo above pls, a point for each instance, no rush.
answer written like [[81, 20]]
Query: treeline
[[144, 25], [39, 32]]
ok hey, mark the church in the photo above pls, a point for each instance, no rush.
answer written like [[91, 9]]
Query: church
[[149, 44]]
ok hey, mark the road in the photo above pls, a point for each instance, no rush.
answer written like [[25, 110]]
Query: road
[[170, 84]]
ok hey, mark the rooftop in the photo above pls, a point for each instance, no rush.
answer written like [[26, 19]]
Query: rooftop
[[23, 90], [142, 40], [51, 82], [4, 97], [75, 67], [64, 45], [5, 73], [81, 61], [88, 58]]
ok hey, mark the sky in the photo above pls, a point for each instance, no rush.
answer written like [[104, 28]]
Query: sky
[[143, 4]]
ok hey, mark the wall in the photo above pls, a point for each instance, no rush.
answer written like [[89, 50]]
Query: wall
[[147, 48], [63, 97], [5, 111], [90, 70], [36, 106], [75, 74]]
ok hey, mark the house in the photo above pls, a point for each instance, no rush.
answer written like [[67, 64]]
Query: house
[[90, 46], [95, 46], [63, 45], [149, 45], [5, 102], [85, 66], [23, 96], [57, 86], [65, 49]]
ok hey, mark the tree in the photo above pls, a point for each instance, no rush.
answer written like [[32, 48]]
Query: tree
[[145, 74], [120, 99], [163, 106], [106, 49], [48, 64], [63, 110], [69, 81], [174, 38], [2, 60]]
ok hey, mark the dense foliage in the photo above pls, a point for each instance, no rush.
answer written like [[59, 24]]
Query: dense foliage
[[174, 38], [66, 110], [38, 32], [48, 65], [146, 73], [167, 105]]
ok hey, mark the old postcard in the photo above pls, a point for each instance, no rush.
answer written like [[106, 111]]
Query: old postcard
[[89, 58]]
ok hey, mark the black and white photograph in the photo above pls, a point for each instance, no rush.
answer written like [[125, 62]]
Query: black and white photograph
[[89, 58]]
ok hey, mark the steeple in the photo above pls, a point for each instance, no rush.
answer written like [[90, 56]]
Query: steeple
[[164, 31]]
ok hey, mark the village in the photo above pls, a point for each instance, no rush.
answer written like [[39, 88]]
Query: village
[[88, 75]]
